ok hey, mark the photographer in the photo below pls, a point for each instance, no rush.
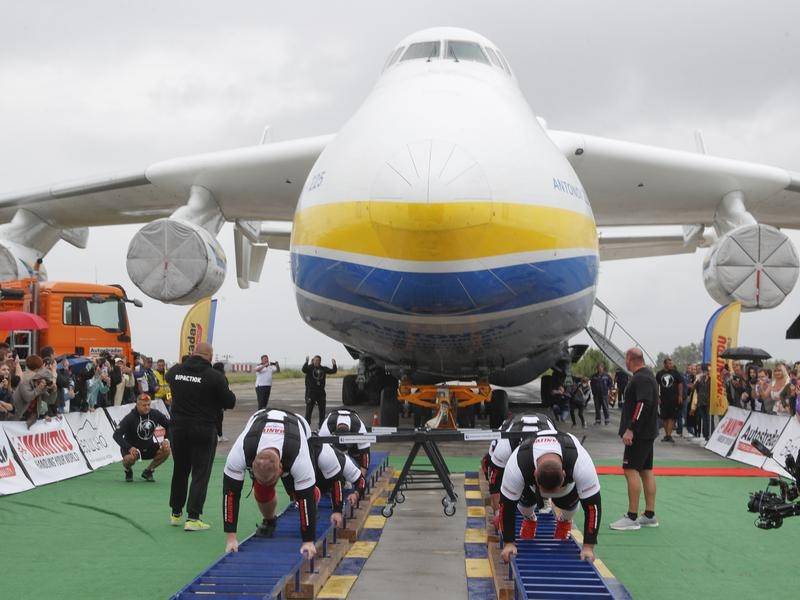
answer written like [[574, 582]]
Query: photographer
[[264, 373], [97, 383], [36, 393]]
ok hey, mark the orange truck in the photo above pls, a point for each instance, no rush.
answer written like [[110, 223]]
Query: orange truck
[[84, 319]]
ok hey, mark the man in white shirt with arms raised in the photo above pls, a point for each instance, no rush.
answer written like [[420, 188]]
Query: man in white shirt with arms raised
[[264, 373]]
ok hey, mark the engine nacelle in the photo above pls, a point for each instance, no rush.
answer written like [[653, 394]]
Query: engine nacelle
[[756, 265], [18, 262], [175, 261]]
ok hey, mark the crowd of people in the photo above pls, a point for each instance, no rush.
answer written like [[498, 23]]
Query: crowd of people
[[44, 385]]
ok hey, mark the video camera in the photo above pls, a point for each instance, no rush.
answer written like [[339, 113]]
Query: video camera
[[772, 508]]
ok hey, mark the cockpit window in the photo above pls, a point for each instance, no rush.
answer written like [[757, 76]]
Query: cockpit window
[[504, 61], [393, 57], [466, 51], [493, 57], [424, 50]]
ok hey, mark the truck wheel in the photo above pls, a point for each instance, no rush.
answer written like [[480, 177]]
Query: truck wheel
[[390, 407], [498, 408], [349, 390]]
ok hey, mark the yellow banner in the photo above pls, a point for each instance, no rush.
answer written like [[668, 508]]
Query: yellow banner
[[198, 325], [722, 332]]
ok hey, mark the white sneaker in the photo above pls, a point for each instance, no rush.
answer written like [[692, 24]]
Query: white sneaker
[[625, 524], [645, 521]]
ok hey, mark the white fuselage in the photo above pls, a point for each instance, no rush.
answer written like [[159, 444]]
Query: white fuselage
[[441, 231]]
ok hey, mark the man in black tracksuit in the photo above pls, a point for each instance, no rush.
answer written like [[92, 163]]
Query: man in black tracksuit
[[199, 393], [315, 386], [638, 428]]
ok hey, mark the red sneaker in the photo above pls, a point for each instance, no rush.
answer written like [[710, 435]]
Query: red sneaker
[[528, 529], [562, 530]]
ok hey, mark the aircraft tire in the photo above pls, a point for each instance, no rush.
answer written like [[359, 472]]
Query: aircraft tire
[[350, 395], [498, 408], [390, 407]]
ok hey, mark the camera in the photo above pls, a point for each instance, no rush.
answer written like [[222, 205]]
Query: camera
[[773, 508]]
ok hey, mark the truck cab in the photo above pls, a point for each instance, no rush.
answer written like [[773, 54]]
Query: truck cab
[[83, 319]]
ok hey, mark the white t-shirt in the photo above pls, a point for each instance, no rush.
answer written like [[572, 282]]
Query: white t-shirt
[[328, 463], [500, 450], [343, 418], [264, 376], [584, 475], [302, 470]]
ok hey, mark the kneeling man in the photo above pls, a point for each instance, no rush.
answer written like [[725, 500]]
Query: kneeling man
[[136, 438]]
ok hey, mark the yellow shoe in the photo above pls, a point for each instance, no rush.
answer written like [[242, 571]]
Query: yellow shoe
[[195, 525], [175, 521]]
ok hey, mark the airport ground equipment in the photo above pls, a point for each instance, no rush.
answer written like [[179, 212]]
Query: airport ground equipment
[[267, 568]]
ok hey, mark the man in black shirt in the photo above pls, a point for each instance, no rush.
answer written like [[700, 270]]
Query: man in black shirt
[[199, 393], [315, 386], [670, 391], [621, 379], [136, 436], [601, 384], [638, 428]]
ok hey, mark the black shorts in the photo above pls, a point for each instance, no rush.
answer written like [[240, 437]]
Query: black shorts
[[146, 453], [668, 409], [638, 456]]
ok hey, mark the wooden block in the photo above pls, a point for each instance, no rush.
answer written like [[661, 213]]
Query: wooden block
[[503, 586]]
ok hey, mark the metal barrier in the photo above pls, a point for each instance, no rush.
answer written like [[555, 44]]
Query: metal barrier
[[547, 569], [263, 567]]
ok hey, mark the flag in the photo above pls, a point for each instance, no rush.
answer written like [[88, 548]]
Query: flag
[[722, 332], [198, 325]]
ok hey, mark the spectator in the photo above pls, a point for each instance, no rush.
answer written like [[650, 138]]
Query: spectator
[[684, 417], [114, 379], [764, 401], [737, 387], [670, 392], [6, 394], [560, 400], [129, 393], [264, 373], [601, 383], [780, 390], [315, 386], [621, 379], [119, 391], [97, 384], [579, 400], [750, 396], [65, 385], [162, 389], [35, 392], [702, 387], [791, 398], [146, 378]]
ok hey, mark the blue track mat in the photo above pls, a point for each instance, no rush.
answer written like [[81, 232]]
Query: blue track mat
[[262, 567], [547, 569]]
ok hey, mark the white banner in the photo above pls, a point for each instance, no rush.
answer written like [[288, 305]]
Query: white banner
[[766, 429], [728, 429], [117, 413], [159, 405], [48, 450], [788, 443], [96, 437], [12, 477]]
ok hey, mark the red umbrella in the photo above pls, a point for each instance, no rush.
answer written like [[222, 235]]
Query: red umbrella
[[14, 320]]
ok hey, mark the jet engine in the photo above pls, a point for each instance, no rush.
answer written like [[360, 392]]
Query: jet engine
[[18, 262], [176, 261], [756, 265]]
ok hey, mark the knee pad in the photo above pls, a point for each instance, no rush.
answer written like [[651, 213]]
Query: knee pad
[[263, 493]]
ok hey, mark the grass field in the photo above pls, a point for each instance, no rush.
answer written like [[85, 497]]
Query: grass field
[[96, 536]]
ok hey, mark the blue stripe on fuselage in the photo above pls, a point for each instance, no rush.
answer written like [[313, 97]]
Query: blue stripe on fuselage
[[459, 293]]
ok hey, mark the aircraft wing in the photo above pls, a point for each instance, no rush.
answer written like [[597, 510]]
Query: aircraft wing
[[259, 183], [621, 247], [635, 184]]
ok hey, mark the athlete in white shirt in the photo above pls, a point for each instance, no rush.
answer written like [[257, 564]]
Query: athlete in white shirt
[[551, 465], [273, 443], [346, 421]]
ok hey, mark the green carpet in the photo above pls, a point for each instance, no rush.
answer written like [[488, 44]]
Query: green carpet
[[97, 537]]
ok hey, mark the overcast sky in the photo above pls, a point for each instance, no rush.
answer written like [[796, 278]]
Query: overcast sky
[[94, 87]]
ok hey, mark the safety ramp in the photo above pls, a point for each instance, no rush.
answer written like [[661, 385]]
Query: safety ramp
[[267, 568]]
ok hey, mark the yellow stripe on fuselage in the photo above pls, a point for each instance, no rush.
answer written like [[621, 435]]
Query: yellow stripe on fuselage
[[441, 231]]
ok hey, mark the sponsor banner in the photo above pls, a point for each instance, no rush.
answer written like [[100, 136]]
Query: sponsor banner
[[48, 450], [12, 477], [95, 435], [198, 325], [722, 332], [788, 443], [765, 428], [728, 429]]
